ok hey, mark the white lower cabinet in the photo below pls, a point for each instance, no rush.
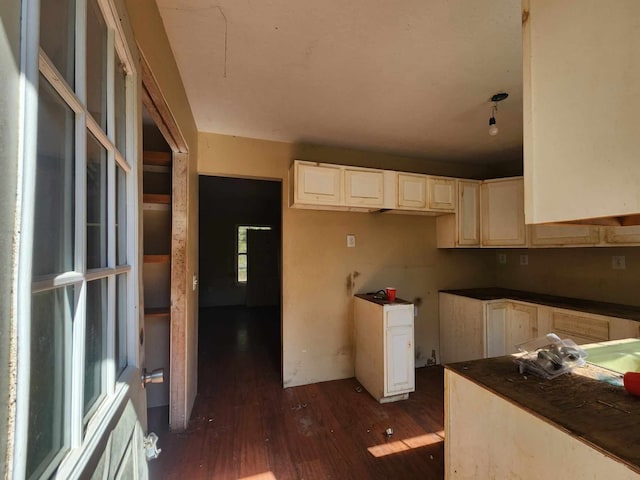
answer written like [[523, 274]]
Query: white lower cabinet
[[472, 328], [508, 324], [385, 358]]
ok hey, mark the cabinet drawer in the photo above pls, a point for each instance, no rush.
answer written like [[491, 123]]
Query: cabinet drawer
[[595, 329], [400, 317]]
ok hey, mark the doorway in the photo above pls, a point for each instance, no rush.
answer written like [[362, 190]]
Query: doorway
[[240, 274]]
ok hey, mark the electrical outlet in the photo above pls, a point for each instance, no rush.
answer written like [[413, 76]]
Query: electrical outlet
[[524, 259], [502, 258], [618, 262], [351, 241]]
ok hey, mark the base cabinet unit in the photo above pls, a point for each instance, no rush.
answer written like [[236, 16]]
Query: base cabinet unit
[[461, 328], [472, 328], [489, 436], [385, 357]]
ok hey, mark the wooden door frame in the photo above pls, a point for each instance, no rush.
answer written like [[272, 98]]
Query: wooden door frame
[[154, 101]]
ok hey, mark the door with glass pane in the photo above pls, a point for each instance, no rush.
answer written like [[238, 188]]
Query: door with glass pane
[[83, 409]]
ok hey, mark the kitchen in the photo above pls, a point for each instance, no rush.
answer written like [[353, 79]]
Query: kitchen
[[320, 272]]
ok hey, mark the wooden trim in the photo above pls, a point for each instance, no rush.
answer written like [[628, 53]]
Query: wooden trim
[[182, 351], [160, 112], [157, 312], [157, 258], [161, 198], [162, 159]]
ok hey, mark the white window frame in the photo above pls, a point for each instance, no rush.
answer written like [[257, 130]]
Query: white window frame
[[83, 439], [246, 254]]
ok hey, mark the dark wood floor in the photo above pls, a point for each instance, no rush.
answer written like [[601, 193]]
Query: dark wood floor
[[245, 426]]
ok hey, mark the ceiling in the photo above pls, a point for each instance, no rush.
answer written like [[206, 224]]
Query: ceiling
[[409, 77]]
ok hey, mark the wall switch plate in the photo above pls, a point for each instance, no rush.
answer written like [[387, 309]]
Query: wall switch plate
[[618, 262], [351, 241], [524, 259], [502, 258]]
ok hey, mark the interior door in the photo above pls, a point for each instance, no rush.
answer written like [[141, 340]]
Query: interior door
[[263, 268]]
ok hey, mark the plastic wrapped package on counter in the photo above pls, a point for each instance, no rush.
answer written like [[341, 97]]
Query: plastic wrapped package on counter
[[549, 356]]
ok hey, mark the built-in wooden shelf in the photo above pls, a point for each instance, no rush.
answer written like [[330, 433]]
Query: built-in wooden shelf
[[157, 258], [156, 312], [162, 159], [164, 199]]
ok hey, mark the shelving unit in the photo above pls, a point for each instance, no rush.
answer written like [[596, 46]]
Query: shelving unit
[[156, 189]]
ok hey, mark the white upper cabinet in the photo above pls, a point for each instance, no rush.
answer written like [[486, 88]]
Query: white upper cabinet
[[561, 235], [468, 221], [412, 191], [364, 187], [502, 216], [442, 193], [317, 184], [622, 235], [581, 101], [462, 229]]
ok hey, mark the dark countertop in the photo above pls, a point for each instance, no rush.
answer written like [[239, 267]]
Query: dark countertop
[[628, 312], [602, 415], [371, 297]]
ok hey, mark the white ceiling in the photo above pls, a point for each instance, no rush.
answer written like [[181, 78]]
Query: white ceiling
[[410, 77]]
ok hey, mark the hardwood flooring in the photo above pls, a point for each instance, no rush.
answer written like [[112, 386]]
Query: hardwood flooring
[[244, 425]]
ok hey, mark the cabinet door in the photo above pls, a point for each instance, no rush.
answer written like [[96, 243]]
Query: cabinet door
[[564, 152], [412, 191], [399, 352], [364, 187], [522, 326], [559, 235], [503, 213], [461, 328], [622, 235], [620, 328], [496, 317], [468, 213], [442, 193], [318, 184], [580, 327]]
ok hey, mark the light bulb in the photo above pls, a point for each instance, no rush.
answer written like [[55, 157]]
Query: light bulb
[[493, 128]]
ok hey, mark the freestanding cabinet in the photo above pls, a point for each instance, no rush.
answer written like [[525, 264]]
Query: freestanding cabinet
[[385, 359]]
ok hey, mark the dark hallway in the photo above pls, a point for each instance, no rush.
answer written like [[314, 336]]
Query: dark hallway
[[245, 426]]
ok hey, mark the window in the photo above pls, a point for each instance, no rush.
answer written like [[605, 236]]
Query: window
[[243, 253], [82, 287]]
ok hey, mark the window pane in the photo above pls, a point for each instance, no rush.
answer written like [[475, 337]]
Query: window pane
[[57, 35], [121, 216], [51, 314], [121, 109], [54, 215], [96, 204], [96, 64], [121, 323], [242, 268], [242, 239], [95, 339]]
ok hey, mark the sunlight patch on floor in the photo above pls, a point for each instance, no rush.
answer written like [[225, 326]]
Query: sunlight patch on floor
[[390, 448]]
